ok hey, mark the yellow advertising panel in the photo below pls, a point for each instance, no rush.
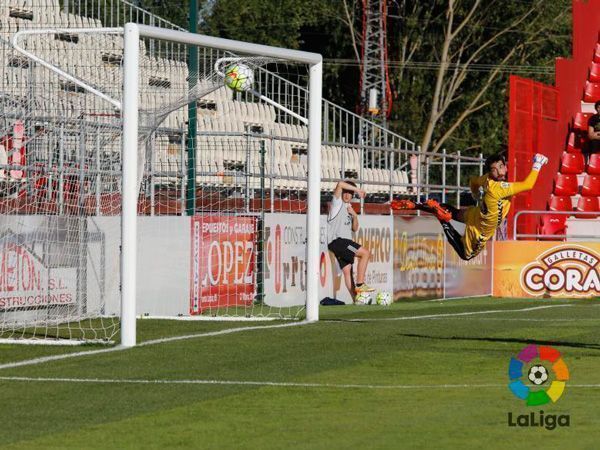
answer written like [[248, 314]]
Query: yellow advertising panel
[[418, 258], [468, 278], [546, 269]]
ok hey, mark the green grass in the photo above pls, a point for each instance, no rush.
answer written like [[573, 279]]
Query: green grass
[[415, 358]]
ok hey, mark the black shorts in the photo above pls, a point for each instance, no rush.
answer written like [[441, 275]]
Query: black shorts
[[344, 250]]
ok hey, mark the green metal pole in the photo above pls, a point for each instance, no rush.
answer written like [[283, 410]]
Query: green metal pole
[[192, 116]]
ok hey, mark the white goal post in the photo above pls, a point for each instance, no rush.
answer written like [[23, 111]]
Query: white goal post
[[128, 113], [133, 32]]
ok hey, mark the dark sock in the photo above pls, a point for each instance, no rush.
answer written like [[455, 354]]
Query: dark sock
[[455, 240], [453, 210], [359, 284], [423, 207]]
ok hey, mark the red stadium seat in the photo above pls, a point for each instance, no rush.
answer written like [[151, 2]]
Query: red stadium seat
[[595, 73], [560, 203], [552, 224], [575, 143], [588, 204], [565, 184], [580, 123], [594, 164], [592, 92], [572, 163], [597, 53], [591, 186]]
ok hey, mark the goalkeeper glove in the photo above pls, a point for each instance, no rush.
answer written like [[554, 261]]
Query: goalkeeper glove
[[539, 160]]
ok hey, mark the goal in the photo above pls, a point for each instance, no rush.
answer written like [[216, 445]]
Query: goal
[[134, 184]]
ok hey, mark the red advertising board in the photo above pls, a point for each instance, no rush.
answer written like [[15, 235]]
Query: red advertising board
[[223, 262]]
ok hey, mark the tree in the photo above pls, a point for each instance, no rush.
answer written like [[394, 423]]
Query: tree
[[469, 45], [175, 11], [449, 59], [278, 23], [310, 25]]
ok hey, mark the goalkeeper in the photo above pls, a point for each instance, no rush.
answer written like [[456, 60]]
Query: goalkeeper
[[494, 195]]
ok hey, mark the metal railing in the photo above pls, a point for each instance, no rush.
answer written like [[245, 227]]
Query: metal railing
[[339, 125], [56, 167], [446, 174], [73, 142], [569, 214]]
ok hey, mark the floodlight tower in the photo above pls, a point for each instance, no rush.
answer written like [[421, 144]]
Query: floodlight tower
[[375, 90]]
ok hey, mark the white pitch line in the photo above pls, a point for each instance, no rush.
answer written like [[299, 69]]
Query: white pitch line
[[470, 313], [246, 383], [44, 359], [218, 333], [268, 383], [514, 319]]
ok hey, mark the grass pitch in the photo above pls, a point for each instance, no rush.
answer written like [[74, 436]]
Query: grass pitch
[[413, 375]]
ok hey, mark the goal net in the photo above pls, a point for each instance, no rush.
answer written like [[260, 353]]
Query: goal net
[[134, 182]]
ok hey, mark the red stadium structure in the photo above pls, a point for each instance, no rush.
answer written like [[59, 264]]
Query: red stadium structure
[[553, 120]]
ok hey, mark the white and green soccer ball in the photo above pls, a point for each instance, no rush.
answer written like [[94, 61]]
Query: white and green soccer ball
[[363, 298], [239, 77], [384, 298]]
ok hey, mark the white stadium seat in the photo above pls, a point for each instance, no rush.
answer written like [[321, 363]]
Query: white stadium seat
[[284, 158], [3, 160], [381, 176], [368, 179]]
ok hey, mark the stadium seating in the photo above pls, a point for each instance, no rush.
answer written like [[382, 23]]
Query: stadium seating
[[3, 160], [565, 184], [592, 92], [574, 175], [580, 123], [572, 163], [588, 204], [222, 161], [591, 186], [574, 143], [593, 166], [553, 224], [595, 72], [400, 177], [597, 53], [560, 203]]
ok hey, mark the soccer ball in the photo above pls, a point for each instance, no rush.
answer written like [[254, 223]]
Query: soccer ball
[[363, 298], [239, 77], [384, 298], [538, 375]]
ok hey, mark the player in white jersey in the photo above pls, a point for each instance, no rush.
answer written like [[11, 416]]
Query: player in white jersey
[[341, 222]]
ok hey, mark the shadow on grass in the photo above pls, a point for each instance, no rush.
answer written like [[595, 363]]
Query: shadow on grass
[[505, 340]]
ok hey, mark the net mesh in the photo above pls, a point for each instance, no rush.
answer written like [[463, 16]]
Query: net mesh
[[60, 178], [61, 154]]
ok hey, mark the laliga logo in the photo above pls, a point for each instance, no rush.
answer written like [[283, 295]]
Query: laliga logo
[[528, 372], [570, 269], [537, 375]]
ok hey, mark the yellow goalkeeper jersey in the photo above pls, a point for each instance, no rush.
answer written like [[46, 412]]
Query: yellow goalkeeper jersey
[[494, 203]]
